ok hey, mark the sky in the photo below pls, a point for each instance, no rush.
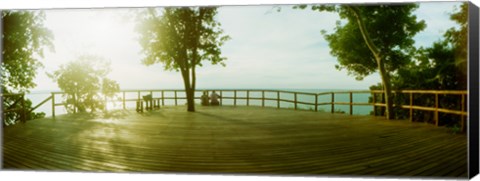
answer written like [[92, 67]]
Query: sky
[[267, 49]]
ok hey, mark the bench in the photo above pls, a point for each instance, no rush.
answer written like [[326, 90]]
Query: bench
[[150, 103]]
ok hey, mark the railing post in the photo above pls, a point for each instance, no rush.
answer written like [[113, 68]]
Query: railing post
[[163, 98], [221, 97], [53, 104], [333, 102], [411, 107], [235, 98], [138, 94], [123, 100], [436, 110], [248, 96], [462, 119], [351, 103], [24, 113], [151, 100], [374, 100], [384, 107], [278, 99], [295, 100], [263, 98], [316, 103], [175, 91]]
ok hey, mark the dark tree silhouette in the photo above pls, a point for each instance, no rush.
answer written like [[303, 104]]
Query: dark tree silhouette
[[374, 38], [23, 38], [181, 38]]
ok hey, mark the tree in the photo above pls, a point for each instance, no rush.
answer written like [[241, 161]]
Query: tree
[[84, 82], [457, 38], [181, 38], [374, 38], [442, 66], [23, 40]]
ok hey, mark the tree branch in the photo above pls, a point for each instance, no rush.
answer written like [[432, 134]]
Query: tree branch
[[364, 32]]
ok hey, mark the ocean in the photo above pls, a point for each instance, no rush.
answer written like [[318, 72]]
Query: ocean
[[37, 97]]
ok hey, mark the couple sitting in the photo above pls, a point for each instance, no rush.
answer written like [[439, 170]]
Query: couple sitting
[[213, 97]]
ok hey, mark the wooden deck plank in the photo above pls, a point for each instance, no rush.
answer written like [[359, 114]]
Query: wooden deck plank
[[235, 140]]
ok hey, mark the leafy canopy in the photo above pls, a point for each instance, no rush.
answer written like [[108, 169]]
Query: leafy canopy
[[23, 40], [181, 39], [174, 35], [442, 66], [391, 28], [85, 81]]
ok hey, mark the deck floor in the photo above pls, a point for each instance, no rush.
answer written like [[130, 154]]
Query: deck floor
[[245, 140]]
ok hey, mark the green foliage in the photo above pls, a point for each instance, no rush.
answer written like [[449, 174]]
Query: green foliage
[[459, 37], [13, 102], [181, 38], [23, 40], [393, 39], [370, 41], [85, 83], [442, 66]]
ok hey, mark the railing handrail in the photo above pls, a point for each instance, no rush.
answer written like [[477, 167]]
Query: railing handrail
[[290, 91], [245, 94], [295, 101]]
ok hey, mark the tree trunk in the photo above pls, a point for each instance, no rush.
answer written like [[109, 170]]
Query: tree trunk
[[387, 89], [188, 91], [190, 100]]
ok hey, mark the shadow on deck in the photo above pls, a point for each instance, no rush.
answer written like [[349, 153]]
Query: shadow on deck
[[235, 140]]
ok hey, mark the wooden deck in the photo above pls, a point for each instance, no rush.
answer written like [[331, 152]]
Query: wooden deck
[[246, 140]]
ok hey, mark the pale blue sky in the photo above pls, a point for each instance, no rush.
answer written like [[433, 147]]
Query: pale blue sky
[[268, 49]]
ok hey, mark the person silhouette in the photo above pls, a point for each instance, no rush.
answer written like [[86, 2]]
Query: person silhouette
[[214, 99], [205, 99]]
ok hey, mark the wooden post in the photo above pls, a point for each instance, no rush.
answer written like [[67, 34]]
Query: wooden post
[[53, 104], [235, 98], [316, 103], [351, 103], [175, 91], [221, 97], [123, 100], [151, 100], [278, 99], [383, 108], [411, 107], [24, 112], [462, 119], [295, 100], [138, 94], [163, 98], [436, 110], [248, 96], [333, 102], [374, 100], [263, 98]]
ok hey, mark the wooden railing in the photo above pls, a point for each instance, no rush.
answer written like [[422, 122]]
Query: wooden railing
[[19, 99], [21, 110], [280, 97], [436, 109]]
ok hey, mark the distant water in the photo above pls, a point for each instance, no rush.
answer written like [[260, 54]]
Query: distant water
[[37, 97]]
